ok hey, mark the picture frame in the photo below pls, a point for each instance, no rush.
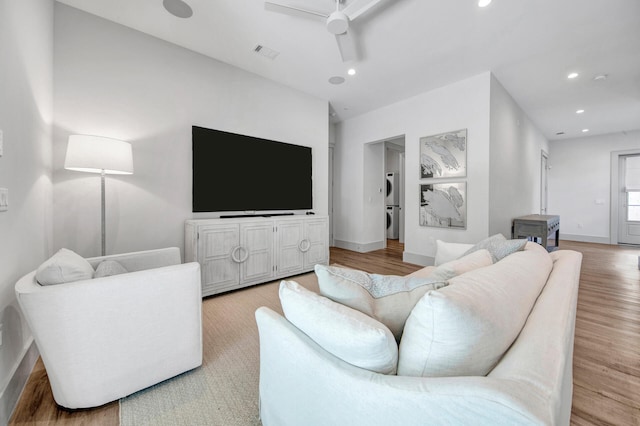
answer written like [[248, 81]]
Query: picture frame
[[444, 155], [443, 205]]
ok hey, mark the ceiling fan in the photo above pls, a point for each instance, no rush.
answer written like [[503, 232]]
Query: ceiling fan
[[337, 22]]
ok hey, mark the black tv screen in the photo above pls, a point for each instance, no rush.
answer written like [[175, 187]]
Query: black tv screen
[[241, 173]]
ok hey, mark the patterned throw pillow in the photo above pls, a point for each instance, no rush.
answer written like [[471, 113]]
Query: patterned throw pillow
[[387, 298], [498, 246], [107, 268]]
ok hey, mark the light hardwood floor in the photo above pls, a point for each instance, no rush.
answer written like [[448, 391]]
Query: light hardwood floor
[[606, 355]]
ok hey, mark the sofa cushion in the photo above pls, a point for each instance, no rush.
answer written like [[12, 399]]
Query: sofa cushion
[[446, 252], [498, 246], [63, 267], [466, 327], [344, 332], [107, 268], [387, 298]]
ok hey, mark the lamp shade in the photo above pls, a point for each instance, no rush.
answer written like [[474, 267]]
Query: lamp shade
[[95, 154]]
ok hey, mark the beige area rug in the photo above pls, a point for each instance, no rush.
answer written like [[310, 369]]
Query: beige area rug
[[224, 390]]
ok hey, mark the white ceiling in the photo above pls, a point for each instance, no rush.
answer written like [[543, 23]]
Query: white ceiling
[[407, 47]]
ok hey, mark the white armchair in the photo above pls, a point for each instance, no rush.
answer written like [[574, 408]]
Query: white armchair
[[105, 338]]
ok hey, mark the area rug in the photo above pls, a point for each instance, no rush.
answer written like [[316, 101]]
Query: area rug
[[224, 390]]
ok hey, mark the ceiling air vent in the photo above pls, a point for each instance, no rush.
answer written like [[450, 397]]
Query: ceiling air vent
[[265, 51]]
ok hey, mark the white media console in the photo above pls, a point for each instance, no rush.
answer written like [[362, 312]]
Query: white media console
[[238, 252]]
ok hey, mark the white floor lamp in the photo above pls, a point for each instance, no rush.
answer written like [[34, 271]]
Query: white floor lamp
[[97, 154]]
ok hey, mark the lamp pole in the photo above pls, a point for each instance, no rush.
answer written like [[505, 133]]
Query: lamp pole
[[103, 215]]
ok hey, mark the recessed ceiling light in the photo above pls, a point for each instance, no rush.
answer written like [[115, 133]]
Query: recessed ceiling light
[[585, 130], [336, 79], [351, 71], [600, 77], [178, 8], [580, 111], [483, 3], [572, 75]]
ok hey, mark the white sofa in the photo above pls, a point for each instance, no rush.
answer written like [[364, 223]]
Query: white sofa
[[104, 338], [302, 383]]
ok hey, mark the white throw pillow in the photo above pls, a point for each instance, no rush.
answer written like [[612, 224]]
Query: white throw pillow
[[446, 252], [465, 328], [477, 259], [107, 268], [387, 298], [344, 332], [64, 267]]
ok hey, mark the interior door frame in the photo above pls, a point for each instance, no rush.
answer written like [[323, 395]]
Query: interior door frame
[[615, 193], [544, 182]]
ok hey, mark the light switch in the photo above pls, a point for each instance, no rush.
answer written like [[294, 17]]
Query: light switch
[[4, 199]]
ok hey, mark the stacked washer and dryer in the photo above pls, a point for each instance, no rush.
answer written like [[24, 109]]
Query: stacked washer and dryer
[[393, 206]]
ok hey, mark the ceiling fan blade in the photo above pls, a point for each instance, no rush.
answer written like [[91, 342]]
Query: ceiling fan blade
[[294, 11], [347, 47], [358, 7]]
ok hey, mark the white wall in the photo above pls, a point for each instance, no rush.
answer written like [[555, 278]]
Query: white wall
[[117, 82], [26, 48], [516, 149], [579, 183], [464, 104]]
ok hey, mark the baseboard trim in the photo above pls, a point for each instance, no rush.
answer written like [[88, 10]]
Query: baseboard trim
[[417, 259], [585, 239], [359, 247], [19, 377]]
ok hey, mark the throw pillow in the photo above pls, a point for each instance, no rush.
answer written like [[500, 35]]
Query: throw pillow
[[107, 268], [387, 298], [469, 262], [465, 328], [344, 332], [498, 246], [446, 252], [64, 267]]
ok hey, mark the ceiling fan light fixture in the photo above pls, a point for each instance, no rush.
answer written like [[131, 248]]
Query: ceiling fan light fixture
[[337, 23], [178, 8]]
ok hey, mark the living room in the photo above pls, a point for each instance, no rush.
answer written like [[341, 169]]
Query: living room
[[66, 72]]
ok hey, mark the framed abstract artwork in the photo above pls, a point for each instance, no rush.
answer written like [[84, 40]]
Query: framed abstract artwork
[[444, 155], [444, 205]]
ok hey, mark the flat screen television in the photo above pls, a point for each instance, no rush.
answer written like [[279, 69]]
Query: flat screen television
[[238, 173]]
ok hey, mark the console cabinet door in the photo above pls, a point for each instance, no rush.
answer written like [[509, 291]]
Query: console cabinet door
[[256, 252], [216, 245], [290, 234], [316, 242]]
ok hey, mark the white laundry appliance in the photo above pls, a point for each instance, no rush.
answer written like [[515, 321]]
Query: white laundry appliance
[[393, 206]]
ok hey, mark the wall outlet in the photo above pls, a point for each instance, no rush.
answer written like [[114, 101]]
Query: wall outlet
[[4, 199]]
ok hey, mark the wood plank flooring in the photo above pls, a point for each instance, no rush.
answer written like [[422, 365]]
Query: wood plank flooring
[[606, 353]]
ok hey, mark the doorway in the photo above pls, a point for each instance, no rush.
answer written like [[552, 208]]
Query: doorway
[[394, 202], [544, 168], [629, 199]]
